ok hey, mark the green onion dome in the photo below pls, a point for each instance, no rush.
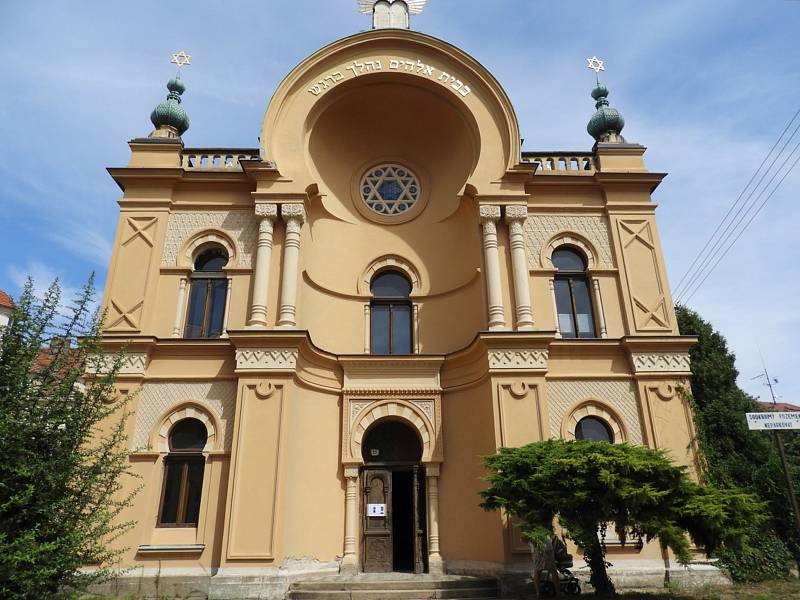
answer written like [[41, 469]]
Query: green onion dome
[[606, 123], [170, 112]]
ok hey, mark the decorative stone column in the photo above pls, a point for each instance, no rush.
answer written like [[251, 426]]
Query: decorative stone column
[[598, 302], [176, 328], [515, 217], [350, 558], [435, 562], [294, 215], [258, 309], [555, 306], [489, 216]]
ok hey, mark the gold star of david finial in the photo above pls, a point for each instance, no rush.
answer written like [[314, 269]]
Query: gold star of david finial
[[595, 64], [181, 59]]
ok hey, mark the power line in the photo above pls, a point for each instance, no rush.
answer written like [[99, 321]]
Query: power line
[[695, 270], [733, 206], [754, 215]]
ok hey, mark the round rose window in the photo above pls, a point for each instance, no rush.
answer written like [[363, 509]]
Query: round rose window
[[390, 189]]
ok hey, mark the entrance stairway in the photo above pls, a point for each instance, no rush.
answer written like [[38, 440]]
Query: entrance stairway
[[394, 586]]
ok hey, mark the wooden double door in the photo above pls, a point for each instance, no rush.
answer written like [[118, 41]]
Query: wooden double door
[[393, 519]]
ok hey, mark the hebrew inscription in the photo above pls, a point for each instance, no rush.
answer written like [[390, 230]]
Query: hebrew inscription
[[416, 67]]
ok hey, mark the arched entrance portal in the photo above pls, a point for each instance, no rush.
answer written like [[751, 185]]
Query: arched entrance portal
[[393, 524]]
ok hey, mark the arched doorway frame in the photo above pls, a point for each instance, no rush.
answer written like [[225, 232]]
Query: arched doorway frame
[[422, 414]]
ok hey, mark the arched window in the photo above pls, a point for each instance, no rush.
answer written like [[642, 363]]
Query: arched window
[[183, 475], [592, 428], [573, 301], [390, 314], [207, 296]]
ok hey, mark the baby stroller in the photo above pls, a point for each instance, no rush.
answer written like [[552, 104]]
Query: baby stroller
[[570, 585]]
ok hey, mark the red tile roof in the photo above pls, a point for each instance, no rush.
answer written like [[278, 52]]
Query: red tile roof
[[5, 300], [779, 407]]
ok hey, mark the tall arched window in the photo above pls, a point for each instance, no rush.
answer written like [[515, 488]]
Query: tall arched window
[[390, 314], [207, 296], [573, 301], [183, 475]]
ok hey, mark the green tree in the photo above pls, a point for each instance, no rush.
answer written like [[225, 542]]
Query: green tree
[[62, 453], [734, 456], [587, 485]]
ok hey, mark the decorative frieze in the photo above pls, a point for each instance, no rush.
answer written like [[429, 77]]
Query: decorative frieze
[[540, 229], [133, 363], [661, 362], [156, 398], [620, 396], [238, 224], [518, 359], [272, 359]]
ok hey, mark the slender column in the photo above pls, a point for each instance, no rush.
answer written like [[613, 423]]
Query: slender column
[[415, 316], [435, 561], [295, 216], [367, 331], [350, 558], [489, 216], [515, 217], [598, 302], [227, 312], [176, 328], [555, 307], [258, 309]]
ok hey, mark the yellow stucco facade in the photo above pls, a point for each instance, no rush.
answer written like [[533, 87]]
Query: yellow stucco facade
[[291, 386]]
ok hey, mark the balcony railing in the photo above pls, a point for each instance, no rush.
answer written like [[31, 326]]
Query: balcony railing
[[216, 159], [561, 163]]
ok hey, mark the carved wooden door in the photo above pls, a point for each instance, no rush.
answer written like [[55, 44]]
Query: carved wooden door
[[377, 521]]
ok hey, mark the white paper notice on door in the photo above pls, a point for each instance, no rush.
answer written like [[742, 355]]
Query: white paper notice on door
[[376, 510]]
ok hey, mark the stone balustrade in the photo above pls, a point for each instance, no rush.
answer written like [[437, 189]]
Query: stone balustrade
[[216, 159], [561, 163]]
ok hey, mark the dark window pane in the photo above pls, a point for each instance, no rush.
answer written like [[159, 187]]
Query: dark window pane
[[583, 308], [566, 322], [197, 306], [565, 259], [211, 260], [216, 312], [391, 285], [188, 434], [380, 329], [401, 329], [194, 489], [172, 490], [591, 428]]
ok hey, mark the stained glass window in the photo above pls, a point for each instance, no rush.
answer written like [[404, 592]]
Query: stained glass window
[[390, 189]]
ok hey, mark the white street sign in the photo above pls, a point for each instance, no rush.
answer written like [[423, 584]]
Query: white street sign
[[376, 510], [773, 420]]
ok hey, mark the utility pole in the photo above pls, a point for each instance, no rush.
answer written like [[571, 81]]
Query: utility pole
[[787, 475]]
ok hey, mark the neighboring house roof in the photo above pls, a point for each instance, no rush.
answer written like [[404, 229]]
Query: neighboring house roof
[[5, 300], [779, 407]]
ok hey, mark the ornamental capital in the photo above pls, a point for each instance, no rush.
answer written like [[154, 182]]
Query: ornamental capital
[[489, 213], [516, 213], [296, 212], [266, 210]]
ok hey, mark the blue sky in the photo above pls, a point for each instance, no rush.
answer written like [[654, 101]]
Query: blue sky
[[706, 86]]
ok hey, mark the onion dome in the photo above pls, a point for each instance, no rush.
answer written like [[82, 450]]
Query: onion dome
[[605, 124], [169, 117]]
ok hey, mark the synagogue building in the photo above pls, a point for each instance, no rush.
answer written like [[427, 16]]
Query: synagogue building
[[326, 333]]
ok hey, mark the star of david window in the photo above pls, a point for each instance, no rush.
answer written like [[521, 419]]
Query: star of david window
[[390, 189]]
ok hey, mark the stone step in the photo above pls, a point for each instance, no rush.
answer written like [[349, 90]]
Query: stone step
[[409, 583], [478, 594], [411, 588]]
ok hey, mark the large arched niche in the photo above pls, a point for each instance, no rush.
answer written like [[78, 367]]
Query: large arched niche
[[380, 56], [391, 119]]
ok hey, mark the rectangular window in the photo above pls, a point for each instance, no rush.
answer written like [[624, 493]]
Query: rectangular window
[[183, 486], [583, 308], [206, 313], [381, 339]]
